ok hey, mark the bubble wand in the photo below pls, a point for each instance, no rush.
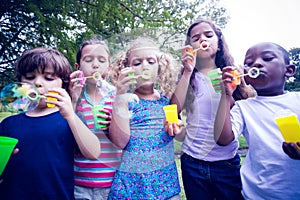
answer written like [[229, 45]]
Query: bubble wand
[[34, 95], [146, 74], [252, 73], [96, 76], [22, 97], [204, 45]]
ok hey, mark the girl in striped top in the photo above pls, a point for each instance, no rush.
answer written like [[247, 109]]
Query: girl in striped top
[[93, 97]]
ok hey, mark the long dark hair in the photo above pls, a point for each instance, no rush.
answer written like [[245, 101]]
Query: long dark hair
[[223, 59]]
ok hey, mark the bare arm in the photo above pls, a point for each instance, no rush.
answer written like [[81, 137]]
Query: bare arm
[[87, 141], [119, 130], [181, 135], [223, 134], [179, 96], [222, 130]]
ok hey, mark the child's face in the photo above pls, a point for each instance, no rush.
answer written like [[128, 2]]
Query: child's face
[[94, 58], [144, 62], [43, 81], [204, 32], [270, 61]]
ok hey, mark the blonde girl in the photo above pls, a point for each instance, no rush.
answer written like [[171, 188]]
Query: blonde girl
[[148, 169]]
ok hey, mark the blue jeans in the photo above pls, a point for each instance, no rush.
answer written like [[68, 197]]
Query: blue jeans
[[211, 180]]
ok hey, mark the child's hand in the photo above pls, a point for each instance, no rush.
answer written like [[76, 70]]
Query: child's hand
[[292, 149], [77, 78], [125, 80], [15, 151], [173, 129], [227, 78], [63, 102], [188, 58], [245, 89], [76, 85], [106, 117]]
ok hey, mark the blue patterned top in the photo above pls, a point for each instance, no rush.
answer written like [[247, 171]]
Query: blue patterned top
[[148, 169]]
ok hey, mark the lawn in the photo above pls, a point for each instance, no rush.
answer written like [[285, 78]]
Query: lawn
[[4, 114]]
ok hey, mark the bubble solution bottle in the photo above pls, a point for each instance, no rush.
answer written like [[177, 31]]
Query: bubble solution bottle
[[288, 124]]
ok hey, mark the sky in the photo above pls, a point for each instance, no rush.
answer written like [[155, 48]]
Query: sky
[[254, 21]]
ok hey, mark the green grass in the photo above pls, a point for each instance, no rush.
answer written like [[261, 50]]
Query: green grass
[[242, 142], [4, 115], [182, 194], [177, 146]]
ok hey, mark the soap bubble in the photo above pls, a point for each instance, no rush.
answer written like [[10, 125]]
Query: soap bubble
[[19, 97]]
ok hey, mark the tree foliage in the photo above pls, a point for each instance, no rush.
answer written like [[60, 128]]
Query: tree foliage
[[293, 84], [27, 24], [64, 24]]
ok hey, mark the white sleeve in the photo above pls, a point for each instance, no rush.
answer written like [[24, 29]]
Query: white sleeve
[[237, 121]]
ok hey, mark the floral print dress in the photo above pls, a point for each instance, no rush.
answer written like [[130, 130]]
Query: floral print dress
[[148, 169]]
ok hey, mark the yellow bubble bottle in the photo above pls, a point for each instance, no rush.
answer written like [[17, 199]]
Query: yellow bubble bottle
[[51, 105], [289, 127]]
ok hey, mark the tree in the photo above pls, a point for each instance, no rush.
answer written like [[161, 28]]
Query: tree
[[27, 24], [64, 24], [293, 84]]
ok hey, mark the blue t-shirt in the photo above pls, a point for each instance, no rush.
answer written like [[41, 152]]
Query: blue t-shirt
[[43, 168]]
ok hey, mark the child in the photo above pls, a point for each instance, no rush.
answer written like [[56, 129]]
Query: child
[[267, 172], [48, 136], [209, 171], [93, 179], [148, 169]]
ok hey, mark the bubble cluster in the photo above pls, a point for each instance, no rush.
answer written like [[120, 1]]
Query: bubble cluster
[[19, 97]]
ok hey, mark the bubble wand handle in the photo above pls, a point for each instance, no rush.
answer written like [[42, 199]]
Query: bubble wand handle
[[252, 72], [33, 95], [81, 78], [96, 76], [20, 97]]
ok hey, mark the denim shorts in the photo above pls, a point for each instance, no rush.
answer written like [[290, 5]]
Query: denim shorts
[[211, 180], [88, 193]]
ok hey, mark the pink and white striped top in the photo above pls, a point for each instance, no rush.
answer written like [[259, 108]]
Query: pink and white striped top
[[100, 172]]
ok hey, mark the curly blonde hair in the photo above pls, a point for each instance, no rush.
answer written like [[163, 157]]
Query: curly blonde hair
[[167, 70]]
